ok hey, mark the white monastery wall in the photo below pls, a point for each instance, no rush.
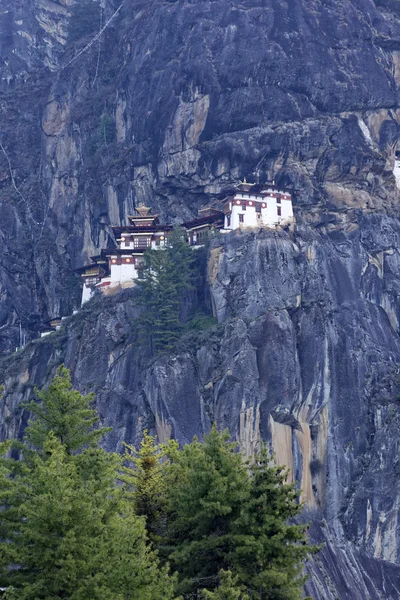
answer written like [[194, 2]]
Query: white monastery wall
[[396, 171], [272, 208], [287, 209], [120, 273], [128, 272], [115, 272], [86, 293]]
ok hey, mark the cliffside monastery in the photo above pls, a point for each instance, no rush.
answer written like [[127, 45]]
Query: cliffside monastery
[[247, 206]]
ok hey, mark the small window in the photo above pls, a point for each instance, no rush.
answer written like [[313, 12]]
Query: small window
[[258, 207], [243, 205], [241, 218], [228, 220], [89, 281], [279, 209]]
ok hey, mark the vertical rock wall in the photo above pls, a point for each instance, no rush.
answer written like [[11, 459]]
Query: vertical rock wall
[[173, 102], [305, 357]]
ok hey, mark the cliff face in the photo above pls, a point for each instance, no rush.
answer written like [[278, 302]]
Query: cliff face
[[172, 103], [305, 355]]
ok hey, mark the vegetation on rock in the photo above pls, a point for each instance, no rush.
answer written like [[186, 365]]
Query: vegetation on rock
[[166, 275], [80, 523]]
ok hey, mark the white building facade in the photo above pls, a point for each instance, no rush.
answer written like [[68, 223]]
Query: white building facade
[[396, 170], [247, 206], [256, 206]]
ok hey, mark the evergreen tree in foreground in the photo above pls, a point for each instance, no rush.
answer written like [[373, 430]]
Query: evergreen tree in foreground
[[166, 275], [225, 516], [70, 531], [269, 558], [66, 413], [209, 484], [66, 529], [228, 589], [144, 476]]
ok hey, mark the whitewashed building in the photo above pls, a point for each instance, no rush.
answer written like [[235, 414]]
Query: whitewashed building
[[252, 205], [248, 205], [396, 170], [118, 267]]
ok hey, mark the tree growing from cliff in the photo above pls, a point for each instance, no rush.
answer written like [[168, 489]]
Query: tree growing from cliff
[[166, 275], [67, 530]]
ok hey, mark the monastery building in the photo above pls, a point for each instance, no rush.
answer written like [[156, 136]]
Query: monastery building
[[246, 206], [252, 205]]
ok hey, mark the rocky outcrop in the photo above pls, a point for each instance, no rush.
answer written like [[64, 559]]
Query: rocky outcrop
[[173, 102], [305, 356]]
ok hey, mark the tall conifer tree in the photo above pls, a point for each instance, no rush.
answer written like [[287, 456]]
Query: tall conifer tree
[[209, 483], [272, 549], [66, 413], [143, 473], [66, 530], [226, 515], [166, 275]]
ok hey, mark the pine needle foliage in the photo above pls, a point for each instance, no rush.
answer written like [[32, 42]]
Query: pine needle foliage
[[209, 484], [270, 556], [226, 516], [228, 589], [67, 531], [167, 273], [65, 412], [143, 473], [70, 531]]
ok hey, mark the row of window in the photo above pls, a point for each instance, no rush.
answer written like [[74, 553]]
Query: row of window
[[241, 217], [89, 281], [140, 242], [258, 206]]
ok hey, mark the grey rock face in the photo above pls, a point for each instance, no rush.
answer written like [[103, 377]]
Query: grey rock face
[[176, 101], [305, 356]]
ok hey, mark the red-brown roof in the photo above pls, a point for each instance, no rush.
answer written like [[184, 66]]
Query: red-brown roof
[[210, 219], [150, 229]]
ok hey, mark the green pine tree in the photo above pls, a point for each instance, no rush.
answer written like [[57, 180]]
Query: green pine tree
[[67, 531], [207, 484], [228, 589], [226, 515], [65, 412], [269, 558], [143, 473], [166, 275]]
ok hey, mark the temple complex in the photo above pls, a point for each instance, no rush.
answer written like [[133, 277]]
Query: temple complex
[[118, 267], [246, 206]]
